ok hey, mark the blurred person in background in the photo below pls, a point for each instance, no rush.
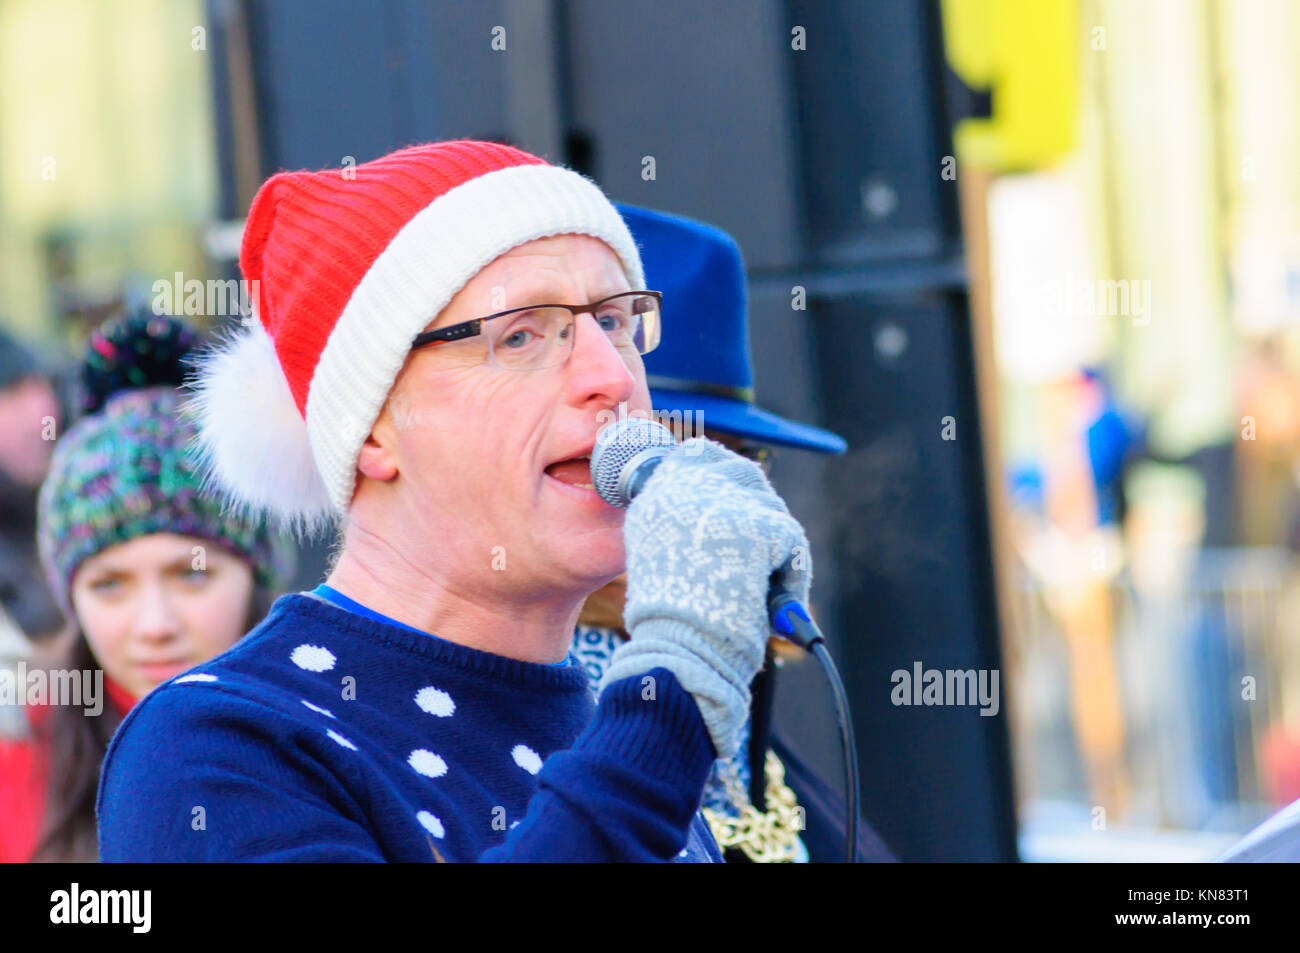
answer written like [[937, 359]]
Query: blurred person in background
[[701, 375], [1069, 533], [30, 416], [153, 577]]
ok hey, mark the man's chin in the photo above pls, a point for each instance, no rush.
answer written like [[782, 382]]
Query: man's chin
[[595, 559]]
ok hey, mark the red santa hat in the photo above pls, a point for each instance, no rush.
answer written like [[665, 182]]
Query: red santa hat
[[345, 267]]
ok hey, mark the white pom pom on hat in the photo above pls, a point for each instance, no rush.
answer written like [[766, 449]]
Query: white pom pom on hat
[[252, 438], [345, 268]]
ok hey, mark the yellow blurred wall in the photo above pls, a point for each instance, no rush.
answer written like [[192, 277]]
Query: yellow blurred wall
[[1159, 131], [106, 138]]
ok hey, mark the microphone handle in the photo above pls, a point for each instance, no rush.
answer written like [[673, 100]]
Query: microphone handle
[[789, 618]]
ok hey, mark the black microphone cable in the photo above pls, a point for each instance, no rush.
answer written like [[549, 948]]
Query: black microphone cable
[[793, 623]]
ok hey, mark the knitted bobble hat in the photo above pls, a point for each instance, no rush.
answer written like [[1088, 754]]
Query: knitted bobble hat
[[345, 267], [125, 469]]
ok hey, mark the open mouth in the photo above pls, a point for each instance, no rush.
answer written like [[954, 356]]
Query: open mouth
[[576, 471]]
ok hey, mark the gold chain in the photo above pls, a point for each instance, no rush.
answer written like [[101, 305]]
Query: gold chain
[[766, 837]]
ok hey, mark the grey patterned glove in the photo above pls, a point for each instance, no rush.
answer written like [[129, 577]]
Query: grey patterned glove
[[703, 537]]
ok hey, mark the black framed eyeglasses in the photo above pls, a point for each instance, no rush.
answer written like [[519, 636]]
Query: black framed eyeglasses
[[537, 336]]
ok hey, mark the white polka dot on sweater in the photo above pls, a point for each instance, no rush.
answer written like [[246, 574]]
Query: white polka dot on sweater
[[340, 739], [427, 763], [526, 758], [314, 658], [435, 701], [196, 677], [431, 823], [323, 711]]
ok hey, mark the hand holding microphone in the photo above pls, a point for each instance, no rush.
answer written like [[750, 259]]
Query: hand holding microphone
[[704, 534]]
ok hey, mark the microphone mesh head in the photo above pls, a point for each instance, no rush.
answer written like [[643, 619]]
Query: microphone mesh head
[[616, 445]]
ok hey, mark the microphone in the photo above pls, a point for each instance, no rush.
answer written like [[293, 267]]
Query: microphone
[[626, 454]]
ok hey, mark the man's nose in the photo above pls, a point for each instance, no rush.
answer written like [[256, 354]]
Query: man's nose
[[596, 369]]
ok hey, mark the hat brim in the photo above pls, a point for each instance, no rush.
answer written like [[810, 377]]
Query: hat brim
[[740, 419]]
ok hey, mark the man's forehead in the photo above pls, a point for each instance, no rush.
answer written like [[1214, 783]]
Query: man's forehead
[[559, 258], [534, 276]]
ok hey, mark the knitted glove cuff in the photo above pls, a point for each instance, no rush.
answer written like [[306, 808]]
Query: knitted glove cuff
[[667, 643]]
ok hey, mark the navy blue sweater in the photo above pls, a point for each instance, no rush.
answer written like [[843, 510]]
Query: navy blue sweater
[[324, 735]]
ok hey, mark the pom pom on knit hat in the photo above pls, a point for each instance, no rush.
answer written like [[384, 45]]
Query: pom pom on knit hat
[[133, 352], [345, 267], [127, 469]]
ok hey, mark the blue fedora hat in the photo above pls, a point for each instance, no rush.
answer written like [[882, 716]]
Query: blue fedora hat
[[702, 362]]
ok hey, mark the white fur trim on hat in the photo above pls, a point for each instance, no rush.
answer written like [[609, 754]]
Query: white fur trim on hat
[[433, 256], [252, 442]]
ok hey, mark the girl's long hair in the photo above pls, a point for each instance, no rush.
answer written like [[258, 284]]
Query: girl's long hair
[[74, 745]]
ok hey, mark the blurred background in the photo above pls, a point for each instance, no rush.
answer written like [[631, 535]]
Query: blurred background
[[1037, 260]]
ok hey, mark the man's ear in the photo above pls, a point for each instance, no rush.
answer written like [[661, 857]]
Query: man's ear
[[377, 459]]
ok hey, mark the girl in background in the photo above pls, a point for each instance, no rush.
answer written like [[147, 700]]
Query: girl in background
[[152, 576]]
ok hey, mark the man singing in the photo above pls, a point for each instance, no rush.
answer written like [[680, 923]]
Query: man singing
[[438, 333]]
